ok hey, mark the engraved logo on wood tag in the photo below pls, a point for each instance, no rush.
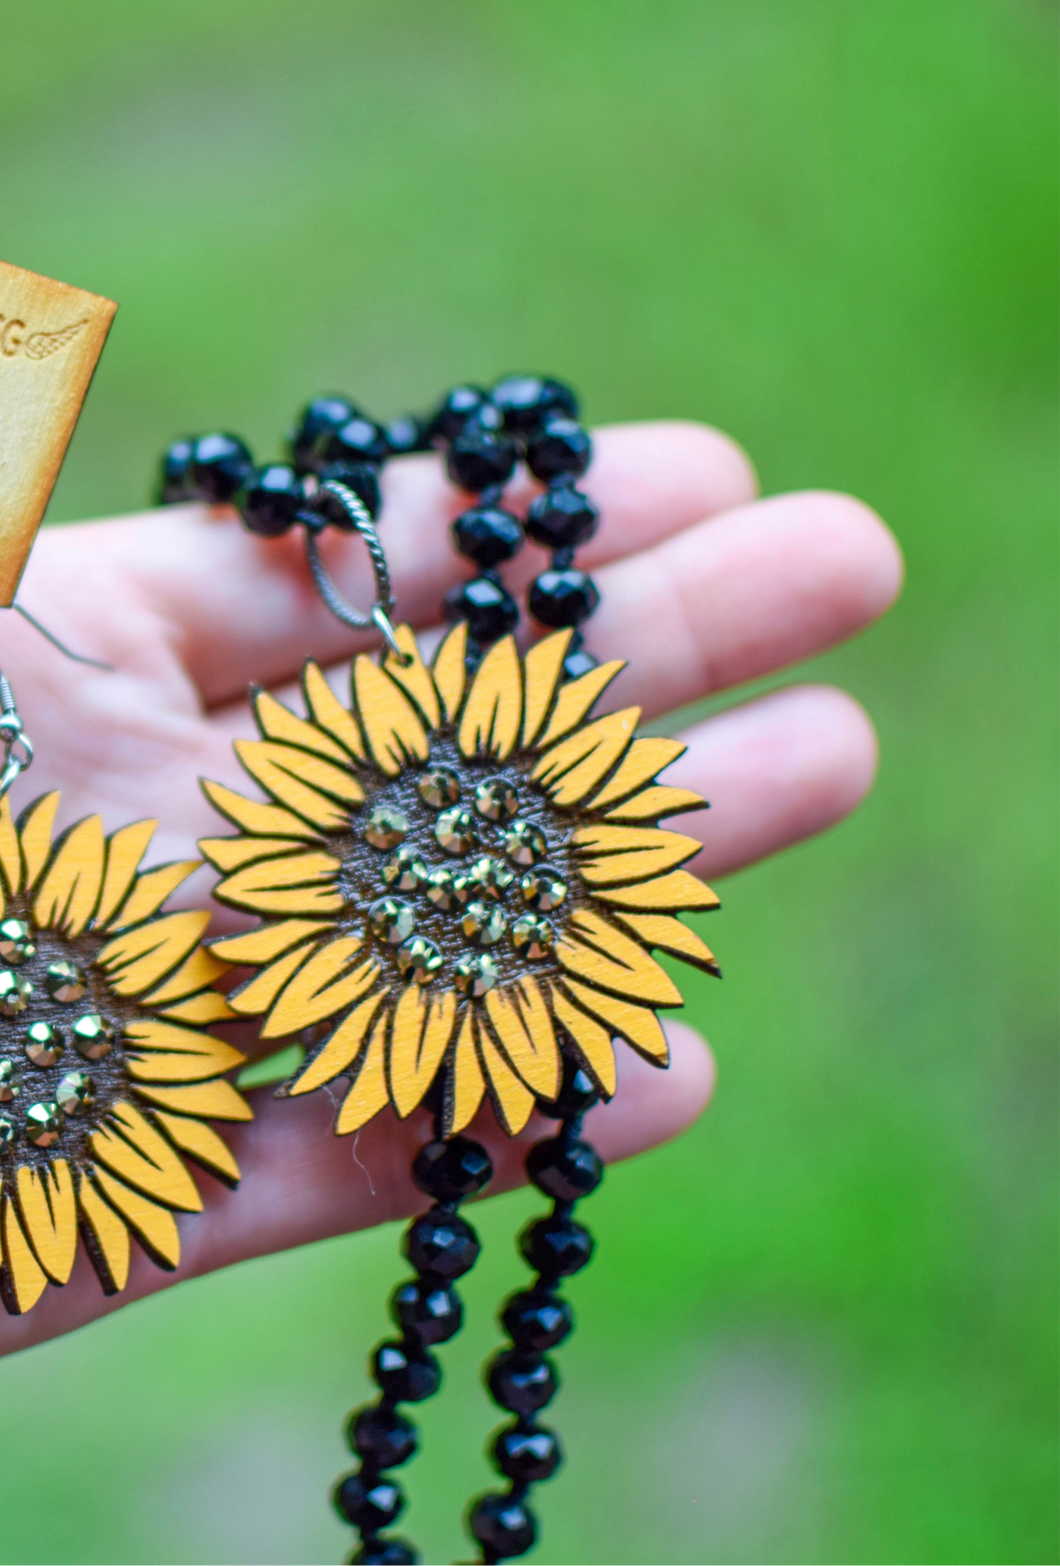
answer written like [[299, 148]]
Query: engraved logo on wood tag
[[16, 338]]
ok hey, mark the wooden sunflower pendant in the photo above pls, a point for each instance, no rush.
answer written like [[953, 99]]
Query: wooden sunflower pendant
[[106, 1077], [457, 876]]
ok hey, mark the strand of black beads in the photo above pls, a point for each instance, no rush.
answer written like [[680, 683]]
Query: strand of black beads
[[520, 1377], [441, 1246]]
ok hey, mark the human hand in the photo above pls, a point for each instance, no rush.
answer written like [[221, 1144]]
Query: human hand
[[703, 588]]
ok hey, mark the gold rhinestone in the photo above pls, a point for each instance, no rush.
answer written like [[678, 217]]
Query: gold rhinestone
[[439, 787], [439, 889], [455, 831], [543, 889], [533, 937], [496, 799], [404, 870], [10, 1081], [43, 1124], [391, 920], [76, 1092], [419, 959], [524, 843], [491, 877], [15, 993], [44, 1043], [482, 924], [93, 1036], [475, 975], [16, 941], [8, 1133], [386, 827], [66, 982]]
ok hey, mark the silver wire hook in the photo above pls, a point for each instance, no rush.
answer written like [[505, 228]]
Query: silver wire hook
[[18, 747], [378, 617], [50, 636]]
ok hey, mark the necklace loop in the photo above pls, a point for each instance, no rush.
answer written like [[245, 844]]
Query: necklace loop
[[378, 616]]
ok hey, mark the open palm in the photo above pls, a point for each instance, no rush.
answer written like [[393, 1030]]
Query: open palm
[[703, 588]]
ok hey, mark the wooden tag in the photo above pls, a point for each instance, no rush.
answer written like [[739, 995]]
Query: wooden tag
[[51, 337]]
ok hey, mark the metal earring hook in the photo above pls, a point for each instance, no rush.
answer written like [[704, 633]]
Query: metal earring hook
[[67, 652], [18, 747], [378, 617]]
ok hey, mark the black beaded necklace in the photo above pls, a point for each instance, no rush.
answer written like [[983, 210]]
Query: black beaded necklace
[[336, 454]]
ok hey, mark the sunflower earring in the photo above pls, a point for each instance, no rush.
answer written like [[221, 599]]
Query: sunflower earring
[[460, 877]]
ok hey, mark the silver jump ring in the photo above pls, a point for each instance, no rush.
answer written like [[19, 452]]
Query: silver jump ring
[[378, 617], [18, 747]]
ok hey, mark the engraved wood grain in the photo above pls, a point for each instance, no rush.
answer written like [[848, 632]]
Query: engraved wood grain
[[51, 337]]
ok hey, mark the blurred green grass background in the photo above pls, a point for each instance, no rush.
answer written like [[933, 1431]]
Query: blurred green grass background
[[821, 1327]]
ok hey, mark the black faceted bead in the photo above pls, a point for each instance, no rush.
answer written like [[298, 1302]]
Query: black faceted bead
[[384, 1552], [428, 1312], [487, 535], [562, 518], [405, 434], [535, 1319], [362, 478], [526, 401], [479, 459], [527, 1454], [451, 1170], [521, 1382], [562, 450], [489, 609], [404, 1374], [359, 440], [319, 421], [368, 1503], [463, 404], [382, 1436], [270, 499], [441, 1244], [556, 1246], [505, 1527], [578, 662], [220, 464], [564, 1169], [560, 598], [175, 479], [578, 1093]]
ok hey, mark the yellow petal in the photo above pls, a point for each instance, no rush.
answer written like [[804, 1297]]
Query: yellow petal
[[537, 1066], [592, 1041], [153, 1226], [414, 677], [679, 889], [232, 853], [106, 1238], [49, 1216], [195, 973], [575, 699], [341, 1049], [647, 757], [577, 764], [22, 1280], [493, 711], [209, 1006], [670, 935], [252, 816], [511, 1099], [537, 1019], [182, 1066], [636, 1024], [218, 1100], [303, 883], [10, 853], [329, 713], [125, 849], [278, 722], [137, 1154], [35, 835], [254, 998], [150, 891], [306, 784], [600, 839], [391, 725], [268, 941], [419, 1036], [612, 869], [449, 670], [202, 1144], [542, 669], [596, 951], [143, 956], [657, 800], [70, 889], [368, 1094], [465, 1084], [322, 988]]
